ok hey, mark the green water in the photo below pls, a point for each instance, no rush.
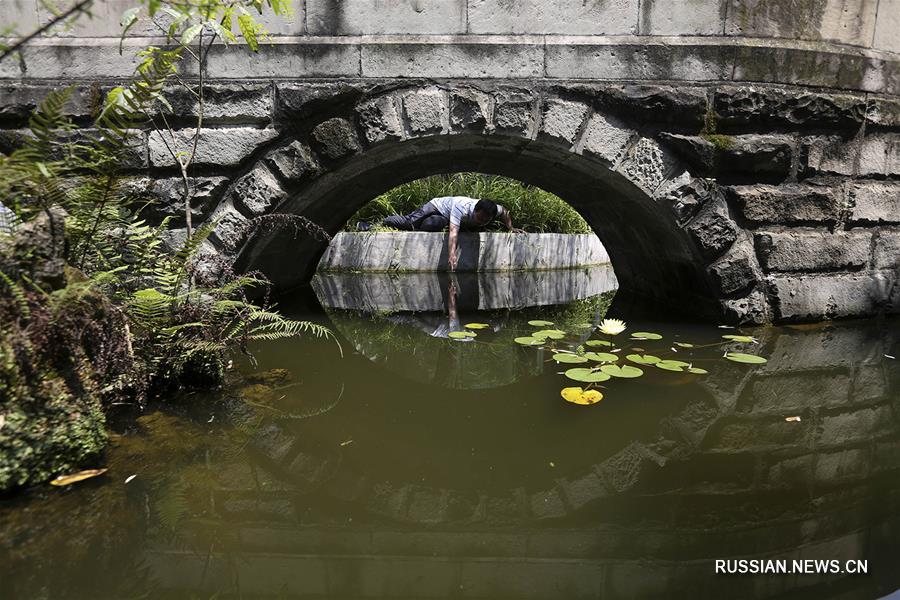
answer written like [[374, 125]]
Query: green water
[[422, 467]]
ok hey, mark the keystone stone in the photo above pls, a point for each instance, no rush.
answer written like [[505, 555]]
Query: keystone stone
[[562, 119], [876, 202], [231, 229], [804, 250], [787, 204], [292, 163], [379, 120], [425, 111], [469, 110], [217, 147], [257, 191], [768, 106], [335, 138], [514, 114]]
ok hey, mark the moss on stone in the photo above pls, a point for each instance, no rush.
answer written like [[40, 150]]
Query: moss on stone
[[721, 142]]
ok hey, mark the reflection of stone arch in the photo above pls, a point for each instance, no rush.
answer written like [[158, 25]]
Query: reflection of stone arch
[[669, 235]]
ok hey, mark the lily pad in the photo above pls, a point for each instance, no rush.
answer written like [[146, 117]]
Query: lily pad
[[623, 372], [697, 371], [553, 334], [646, 335], [476, 325], [749, 359], [601, 356], [539, 323], [461, 335], [562, 357], [576, 395], [673, 365], [586, 375], [528, 341], [643, 359], [739, 338], [599, 344], [684, 345]]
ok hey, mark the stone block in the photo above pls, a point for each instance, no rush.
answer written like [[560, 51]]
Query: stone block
[[547, 505], [426, 112], [470, 110], [735, 270], [514, 113], [887, 25], [322, 57], [587, 489], [561, 120], [240, 103], [765, 155], [553, 17], [789, 473], [682, 105], [491, 58], [582, 58], [883, 112], [703, 17], [875, 202], [216, 147], [647, 164], [853, 426], [887, 249], [870, 384], [788, 204], [59, 60], [231, 228], [747, 434], [880, 155], [427, 505], [298, 101], [750, 309], [20, 14], [168, 195], [363, 17], [712, 229], [770, 106], [844, 21], [292, 163], [335, 138], [822, 297], [813, 250], [604, 139], [257, 191], [379, 119], [837, 467], [17, 101], [825, 348], [830, 155]]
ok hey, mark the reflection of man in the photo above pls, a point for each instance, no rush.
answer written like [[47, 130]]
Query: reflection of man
[[455, 211]]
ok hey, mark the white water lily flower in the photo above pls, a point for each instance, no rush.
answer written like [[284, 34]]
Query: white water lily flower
[[612, 326]]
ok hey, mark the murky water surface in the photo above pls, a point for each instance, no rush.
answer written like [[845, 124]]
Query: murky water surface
[[417, 466]]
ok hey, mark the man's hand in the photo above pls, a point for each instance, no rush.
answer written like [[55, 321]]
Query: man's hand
[[516, 230], [453, 247], [452, 260]]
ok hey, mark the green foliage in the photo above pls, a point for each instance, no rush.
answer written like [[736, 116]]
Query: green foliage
[[531, 208]]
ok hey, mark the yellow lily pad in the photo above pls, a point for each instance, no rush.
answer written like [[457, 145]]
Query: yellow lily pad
[[576, 395], [476, 326]]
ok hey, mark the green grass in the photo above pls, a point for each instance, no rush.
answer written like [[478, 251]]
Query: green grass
[[532, 209]]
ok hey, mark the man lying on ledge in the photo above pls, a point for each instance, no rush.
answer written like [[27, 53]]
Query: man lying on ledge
[[455, 211]]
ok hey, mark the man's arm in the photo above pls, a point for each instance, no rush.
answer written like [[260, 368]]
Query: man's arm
[[507, 220], [453, 246]]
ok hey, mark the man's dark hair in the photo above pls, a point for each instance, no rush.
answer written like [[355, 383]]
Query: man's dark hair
[[487, 206]]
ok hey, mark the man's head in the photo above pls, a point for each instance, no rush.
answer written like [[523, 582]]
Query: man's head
[[484, 213]]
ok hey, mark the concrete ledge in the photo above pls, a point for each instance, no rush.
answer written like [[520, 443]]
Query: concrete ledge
[[422, 252]]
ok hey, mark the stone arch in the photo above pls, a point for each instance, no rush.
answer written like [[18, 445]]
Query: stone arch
[[669, 234]]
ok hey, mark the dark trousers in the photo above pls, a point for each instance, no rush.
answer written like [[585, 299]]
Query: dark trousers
[[424, 218]]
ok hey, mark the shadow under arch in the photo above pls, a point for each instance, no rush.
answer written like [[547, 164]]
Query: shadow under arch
[[655, 260]]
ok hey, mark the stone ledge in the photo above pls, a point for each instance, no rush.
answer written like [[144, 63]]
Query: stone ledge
[[420, 251]]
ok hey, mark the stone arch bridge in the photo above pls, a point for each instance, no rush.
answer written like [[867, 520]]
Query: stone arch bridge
[[740, 159]]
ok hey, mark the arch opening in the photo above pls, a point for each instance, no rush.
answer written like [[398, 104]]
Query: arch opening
[[657, 265]]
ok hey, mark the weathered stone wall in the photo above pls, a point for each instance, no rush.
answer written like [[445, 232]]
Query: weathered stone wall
[[760, 202]]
